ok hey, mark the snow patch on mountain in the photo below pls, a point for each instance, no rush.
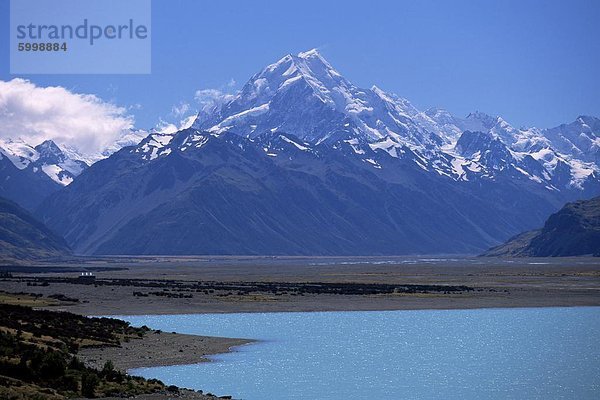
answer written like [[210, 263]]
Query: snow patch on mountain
[[298, 146], [154, 145], [18, 152]]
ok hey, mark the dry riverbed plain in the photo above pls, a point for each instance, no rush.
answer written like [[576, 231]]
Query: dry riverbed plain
[[181, 285]]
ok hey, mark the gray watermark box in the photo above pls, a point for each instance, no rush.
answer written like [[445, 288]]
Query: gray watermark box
[[80, 37]]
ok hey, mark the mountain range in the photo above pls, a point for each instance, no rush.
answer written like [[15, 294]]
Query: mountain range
[[302, 161], [28, 174]]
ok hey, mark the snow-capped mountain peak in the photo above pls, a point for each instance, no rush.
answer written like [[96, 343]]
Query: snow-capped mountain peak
[[49, 150], [305, 96], [53, 161], [46, 158], [18, 152], [309, 67]]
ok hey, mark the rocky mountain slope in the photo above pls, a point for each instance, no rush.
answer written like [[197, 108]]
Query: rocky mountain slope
[[23, 237], [572, 231]]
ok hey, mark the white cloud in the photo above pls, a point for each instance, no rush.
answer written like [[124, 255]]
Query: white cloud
[[187, 121], [203, 96], [35, 114], [208, 100], [180, 109], [169, 127], [211, 98], [166, 127]]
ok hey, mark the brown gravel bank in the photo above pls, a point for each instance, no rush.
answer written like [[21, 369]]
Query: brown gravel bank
[[159, 349]]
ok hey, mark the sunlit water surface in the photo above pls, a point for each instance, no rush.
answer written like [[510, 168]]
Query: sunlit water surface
[[541, 353]]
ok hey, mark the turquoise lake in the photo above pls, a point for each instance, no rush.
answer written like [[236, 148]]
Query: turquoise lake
[[527, 353]]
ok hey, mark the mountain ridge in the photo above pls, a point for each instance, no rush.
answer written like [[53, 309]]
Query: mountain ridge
[[377, 119], [29, 174], [370, 174]]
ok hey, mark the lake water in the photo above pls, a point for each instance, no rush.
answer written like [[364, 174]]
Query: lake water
[[541, 353]]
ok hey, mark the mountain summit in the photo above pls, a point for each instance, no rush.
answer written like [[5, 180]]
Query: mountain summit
[[302, 161], [304, 95]]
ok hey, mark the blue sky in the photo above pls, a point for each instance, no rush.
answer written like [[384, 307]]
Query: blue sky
[[533, 62]]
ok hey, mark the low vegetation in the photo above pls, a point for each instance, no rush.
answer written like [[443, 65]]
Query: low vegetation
[[38, 356], [188, 289]]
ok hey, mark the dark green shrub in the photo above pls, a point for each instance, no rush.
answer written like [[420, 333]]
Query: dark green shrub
[[69, 382], [89, 382], [52, 365]]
